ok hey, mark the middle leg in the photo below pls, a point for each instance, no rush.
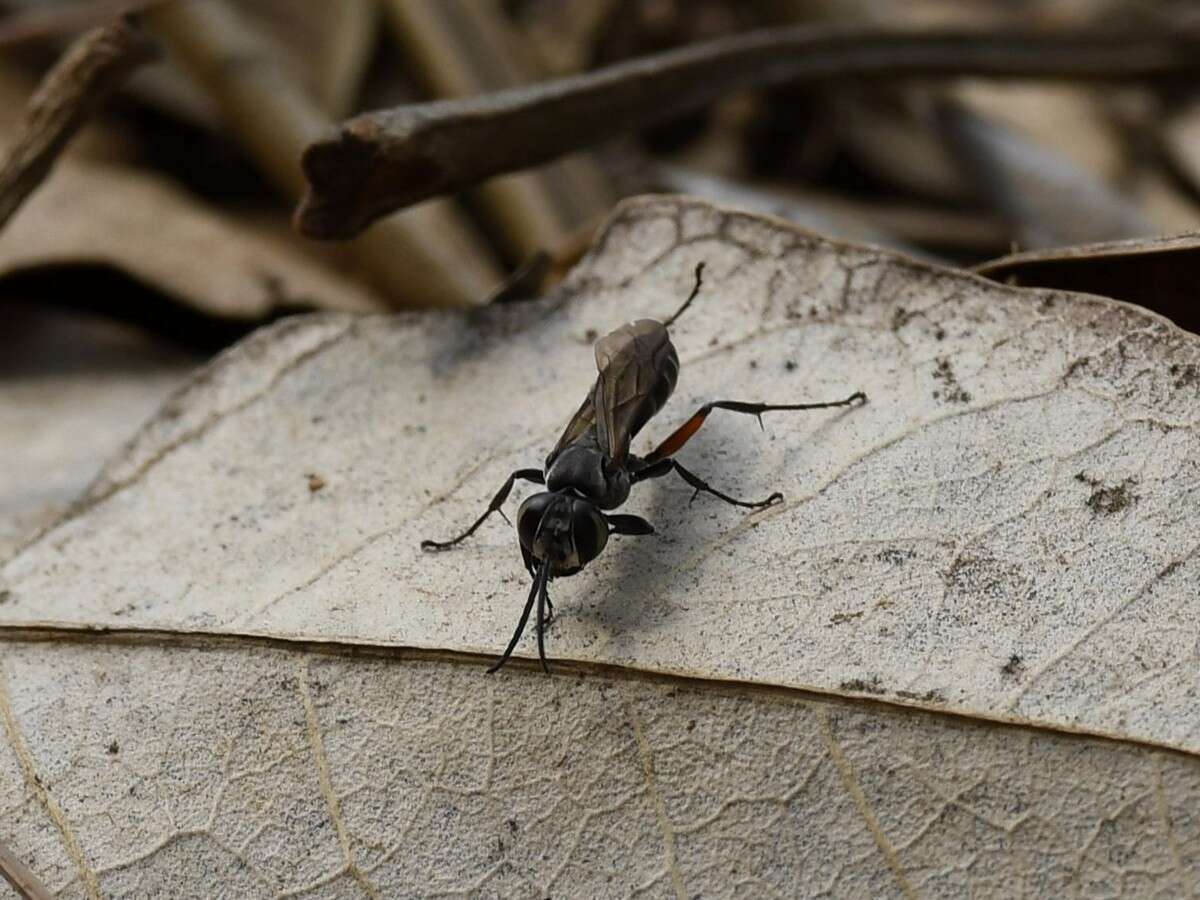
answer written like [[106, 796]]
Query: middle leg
[[663, 466]]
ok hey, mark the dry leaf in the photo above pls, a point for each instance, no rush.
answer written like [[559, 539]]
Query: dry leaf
[[75, 389], [998, 551], [87, 213], [1066, 119], [1050, 200], [327, 45], [827, 214], [1181, 144], [1160, 273], [891, 134]]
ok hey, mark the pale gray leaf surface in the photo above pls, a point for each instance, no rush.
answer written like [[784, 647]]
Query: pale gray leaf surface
[[1006, 532], [1018, 485], [230, 769], [75, 388]]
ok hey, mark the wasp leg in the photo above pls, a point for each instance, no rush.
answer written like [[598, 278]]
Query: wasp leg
[[681, 435], [620, 524], [662, 467], [534, 475]]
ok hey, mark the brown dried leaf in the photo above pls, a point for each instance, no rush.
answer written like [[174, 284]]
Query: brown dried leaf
[[1049, 199], [327, 45], [152, 231], [1160, 274], [1181, 138]]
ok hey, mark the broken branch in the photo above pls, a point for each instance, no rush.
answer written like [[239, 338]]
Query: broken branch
[[88, 72], [382, 161]]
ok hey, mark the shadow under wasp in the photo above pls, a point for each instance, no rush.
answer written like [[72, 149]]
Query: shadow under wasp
[[591, 470]]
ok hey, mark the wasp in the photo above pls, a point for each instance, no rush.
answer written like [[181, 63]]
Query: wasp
[[590, 470]]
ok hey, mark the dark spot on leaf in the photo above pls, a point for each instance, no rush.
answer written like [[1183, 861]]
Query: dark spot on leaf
[[1105, 499], [953, 392], [843, 618], [113, 749], [1076, 365], [1111, 500], [315, 482], [895, 556], [590, 335], [863, 686], [1185, 375], [790, 365], [1013, 667]]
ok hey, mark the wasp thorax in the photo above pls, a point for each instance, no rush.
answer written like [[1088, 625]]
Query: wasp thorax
[[565, 530], [590, 473]]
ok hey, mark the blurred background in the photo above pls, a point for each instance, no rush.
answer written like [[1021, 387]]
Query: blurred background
[[164, 231]]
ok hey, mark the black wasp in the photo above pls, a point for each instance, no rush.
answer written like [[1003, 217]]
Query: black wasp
[[590, 469]]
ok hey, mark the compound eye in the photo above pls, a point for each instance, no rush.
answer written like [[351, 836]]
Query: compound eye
[[589, 532], [529, 517]]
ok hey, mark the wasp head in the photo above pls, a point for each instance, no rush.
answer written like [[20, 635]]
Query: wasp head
[[561, 529]]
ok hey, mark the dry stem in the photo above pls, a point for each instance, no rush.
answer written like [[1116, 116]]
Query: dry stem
[[382, 161], [96, 64]]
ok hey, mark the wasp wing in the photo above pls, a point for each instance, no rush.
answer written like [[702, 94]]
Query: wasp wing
[[583, 421], [638, 370]]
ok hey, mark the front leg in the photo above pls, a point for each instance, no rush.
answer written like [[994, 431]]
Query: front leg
[[534, 475]]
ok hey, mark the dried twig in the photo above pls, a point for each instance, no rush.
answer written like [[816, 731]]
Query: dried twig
[[87, 73], [427, 257], [385, 160], [27, 885]]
